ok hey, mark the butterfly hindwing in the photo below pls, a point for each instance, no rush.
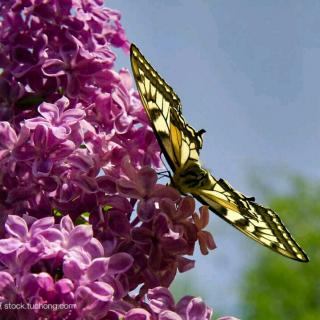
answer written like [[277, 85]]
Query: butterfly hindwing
[[259, 223], [181, 145]]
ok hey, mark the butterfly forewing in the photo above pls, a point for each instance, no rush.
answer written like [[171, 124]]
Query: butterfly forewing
[[181, 145], [158, 99]]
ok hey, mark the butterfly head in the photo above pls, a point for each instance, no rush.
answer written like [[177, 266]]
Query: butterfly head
[[199, 137]]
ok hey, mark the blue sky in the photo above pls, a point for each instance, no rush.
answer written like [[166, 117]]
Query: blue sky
[[248, 72]]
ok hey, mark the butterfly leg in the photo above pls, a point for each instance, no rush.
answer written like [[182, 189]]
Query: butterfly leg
[[164, 174]]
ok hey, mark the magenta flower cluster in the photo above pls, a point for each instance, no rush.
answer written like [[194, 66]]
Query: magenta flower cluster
[[84, 222]]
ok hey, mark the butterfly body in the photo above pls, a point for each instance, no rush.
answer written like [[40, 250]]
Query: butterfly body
[[190, 177], [181, 145]]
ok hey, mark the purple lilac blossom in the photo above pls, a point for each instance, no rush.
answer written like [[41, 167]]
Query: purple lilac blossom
[[51, 264], [84, 221], [46, 263], [68, 116]]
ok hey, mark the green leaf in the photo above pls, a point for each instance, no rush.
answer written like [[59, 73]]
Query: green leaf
[[275, 287], [57, 213], [106, 208], [83, 218]]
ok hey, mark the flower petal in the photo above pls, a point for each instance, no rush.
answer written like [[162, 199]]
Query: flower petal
[[160, 299], [196, 309], [80, 236], [147, 179], [138, 314], [170, 315], [8, 136], [97, 269], [66, 224], [9, 245], [119, 263], [53, 68], [6, 281], [16, 226], [41, 225]]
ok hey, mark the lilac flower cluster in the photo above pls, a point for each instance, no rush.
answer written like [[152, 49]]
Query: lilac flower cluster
[[158, 233], [60, 265], [84, 221], [66, 114], [47, 263]]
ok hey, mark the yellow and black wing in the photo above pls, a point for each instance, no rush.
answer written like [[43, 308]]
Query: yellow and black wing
[[257, 222], [181, 144], [164, 111]]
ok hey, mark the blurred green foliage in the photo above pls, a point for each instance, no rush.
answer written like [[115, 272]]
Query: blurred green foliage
[[283, 289]]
